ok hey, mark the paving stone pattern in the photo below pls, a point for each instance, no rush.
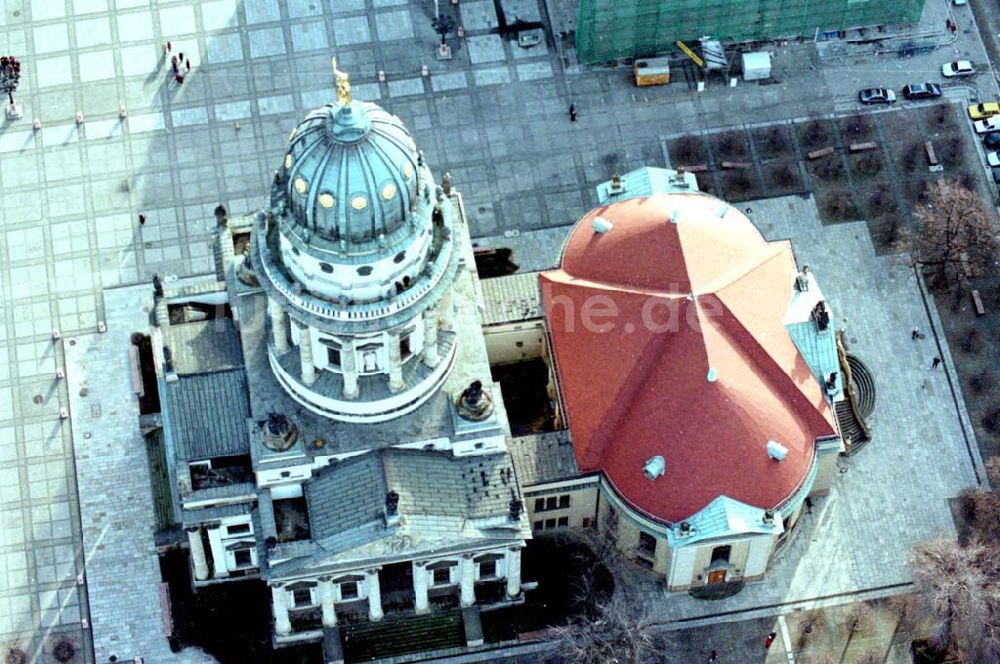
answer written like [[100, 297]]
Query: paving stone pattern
[[495, 116]]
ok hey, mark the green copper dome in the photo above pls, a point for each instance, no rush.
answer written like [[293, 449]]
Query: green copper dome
[[350, 173]]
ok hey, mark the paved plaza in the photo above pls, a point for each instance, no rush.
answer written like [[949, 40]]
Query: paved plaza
[[495, 116]]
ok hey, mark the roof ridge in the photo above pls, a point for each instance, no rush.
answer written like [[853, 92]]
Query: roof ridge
[[739, 270]]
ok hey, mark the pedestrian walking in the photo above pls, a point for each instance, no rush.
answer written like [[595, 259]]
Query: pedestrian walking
[[168, 48], [142, 220], [915, 333], [178, 77], [769, 640], [713, 657], [180, 56], [935, 362], [572, 112], [187, 64]]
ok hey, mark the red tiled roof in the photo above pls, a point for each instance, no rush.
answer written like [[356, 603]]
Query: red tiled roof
[[636, 386]]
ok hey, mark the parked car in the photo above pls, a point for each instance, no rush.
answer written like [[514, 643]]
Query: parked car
[[877, 96], [996, 174], [993, 159], [983, 110], [958, 68], [991, 141], [988, 125], [922, 91]]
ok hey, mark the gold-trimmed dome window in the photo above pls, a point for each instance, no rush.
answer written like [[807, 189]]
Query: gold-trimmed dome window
[[388, 191], [327, 200], [359, 202], [407, 170], [288, 160], [301, 185]]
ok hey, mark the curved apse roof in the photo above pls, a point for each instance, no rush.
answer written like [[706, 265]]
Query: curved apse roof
[[690, 359]]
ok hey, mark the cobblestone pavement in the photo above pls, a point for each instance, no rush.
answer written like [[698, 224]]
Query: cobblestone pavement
[[122, 565], [70, 194]]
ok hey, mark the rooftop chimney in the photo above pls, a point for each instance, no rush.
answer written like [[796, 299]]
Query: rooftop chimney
[[616, 183], [776, 450], [768, 517], [654, 467], [515, 508], [684, 529], [601, 225], [474, 404]]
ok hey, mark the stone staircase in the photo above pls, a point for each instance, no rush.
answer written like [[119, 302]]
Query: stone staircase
[[366, 641], [853, 411]]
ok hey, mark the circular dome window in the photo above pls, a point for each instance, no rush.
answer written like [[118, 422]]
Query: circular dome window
[[388, 191], [326, 267], [359, 202], [365, 270], [407, 170], [326, 199], [399, 257], [301, 186], [288, 160]]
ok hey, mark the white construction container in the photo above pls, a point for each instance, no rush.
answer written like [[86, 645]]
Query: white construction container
[[756, 66]]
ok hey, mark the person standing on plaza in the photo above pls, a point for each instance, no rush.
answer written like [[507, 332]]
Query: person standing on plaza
[[936, 362], [769, 640], [714, 656]]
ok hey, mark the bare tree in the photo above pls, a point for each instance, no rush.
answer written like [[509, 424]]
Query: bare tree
[[956, 235], [617, 632], [960, 587], [859, 618]]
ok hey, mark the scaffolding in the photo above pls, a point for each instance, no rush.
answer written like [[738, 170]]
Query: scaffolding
[[613, 29]]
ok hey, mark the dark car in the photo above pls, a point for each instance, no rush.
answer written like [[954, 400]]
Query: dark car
[[922, 91], [877, 96], [992, 141]]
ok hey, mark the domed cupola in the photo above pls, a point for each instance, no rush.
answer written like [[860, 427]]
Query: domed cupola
[[350, 173]]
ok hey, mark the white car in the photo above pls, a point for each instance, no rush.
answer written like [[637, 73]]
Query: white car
[[958, 68], [993, 158], [988, 125]]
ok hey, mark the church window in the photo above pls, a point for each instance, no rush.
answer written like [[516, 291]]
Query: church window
[[562, 522], [365, 270], [326, 199], [720, 555], [302, 597], [442, 576], [326, 267], [301, 186], [647, 544], [487, 569], [349, 590], [370, 359]]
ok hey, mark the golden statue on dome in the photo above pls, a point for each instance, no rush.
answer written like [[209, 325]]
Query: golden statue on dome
[[343, 85]]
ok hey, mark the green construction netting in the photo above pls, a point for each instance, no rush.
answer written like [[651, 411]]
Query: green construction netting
[[612, 29]]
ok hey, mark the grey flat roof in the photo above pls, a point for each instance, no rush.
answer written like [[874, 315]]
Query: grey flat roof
[[512, 298], [543, 457], [208, 414], [203, 346]]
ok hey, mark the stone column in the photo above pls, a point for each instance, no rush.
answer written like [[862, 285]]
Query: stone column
[[326, 600], [514, 572], [279, 604], [349, 367], [279, 330], [218, 551], [446, 311], [430, 352], [467, 574], [306, 354], [420, 587], [197, 547], [374, 595], [395, 363]]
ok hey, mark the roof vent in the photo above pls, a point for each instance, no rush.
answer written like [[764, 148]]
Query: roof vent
[[684, 529], [821, 316], [616, 183], [776, 450], [712, 374], [654, 467], [601, 225], [769, 517], [675, 215]]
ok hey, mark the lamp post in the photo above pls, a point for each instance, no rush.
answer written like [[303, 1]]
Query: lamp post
[[10, 76], [443, 25]]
